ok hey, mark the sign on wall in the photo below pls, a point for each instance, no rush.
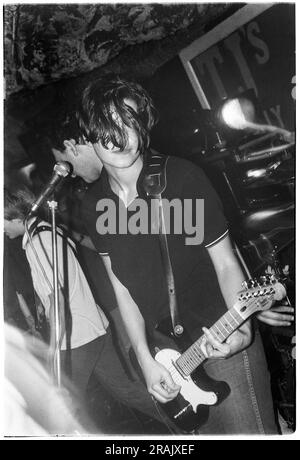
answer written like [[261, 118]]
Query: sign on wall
[[254, 50]]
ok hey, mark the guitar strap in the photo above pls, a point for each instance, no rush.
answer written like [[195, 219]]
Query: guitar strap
[[154, 183], [47, 228]]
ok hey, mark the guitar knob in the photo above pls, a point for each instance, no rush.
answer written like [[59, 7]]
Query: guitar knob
[[178, 330]]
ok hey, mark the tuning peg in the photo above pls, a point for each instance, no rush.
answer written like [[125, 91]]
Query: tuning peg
[[245, 285], [248, 284], [245, 296], [262, 280]]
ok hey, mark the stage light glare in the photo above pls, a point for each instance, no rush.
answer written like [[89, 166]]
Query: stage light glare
[[256, 173], [233, 115]]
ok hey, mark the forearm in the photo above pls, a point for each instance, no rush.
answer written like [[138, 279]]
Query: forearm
[[134, 325], [158, 379], [230, 280], [130, 314]]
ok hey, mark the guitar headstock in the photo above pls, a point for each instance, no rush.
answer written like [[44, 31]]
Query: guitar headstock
[[259, 294]]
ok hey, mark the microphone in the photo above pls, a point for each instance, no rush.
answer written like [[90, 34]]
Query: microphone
[[61, 170]]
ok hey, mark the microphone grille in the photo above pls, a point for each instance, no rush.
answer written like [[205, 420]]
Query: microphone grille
[[63, 168]]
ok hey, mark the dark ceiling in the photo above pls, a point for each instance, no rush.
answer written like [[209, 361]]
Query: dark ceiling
[[54, 49], [46, 43]]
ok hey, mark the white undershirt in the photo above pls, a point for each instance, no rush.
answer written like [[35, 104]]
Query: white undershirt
[[88, 320]]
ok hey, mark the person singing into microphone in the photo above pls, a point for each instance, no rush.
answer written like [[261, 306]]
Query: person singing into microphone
[[86, 342]]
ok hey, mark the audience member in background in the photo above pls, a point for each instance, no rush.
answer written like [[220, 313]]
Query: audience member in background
[[18, 293], [86, 341], [33, 406]]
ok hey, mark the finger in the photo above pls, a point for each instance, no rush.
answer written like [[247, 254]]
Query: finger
[[277, 316], [215, 354], [162, 394], [283, 309], [206, 347], [274, 322], [172, 393], [214, 342], [209, 349], [271, 315], [158, 397], [203, 346], [169, 384]]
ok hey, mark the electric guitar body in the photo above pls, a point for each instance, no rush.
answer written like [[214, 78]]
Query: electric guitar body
[[190, 409]]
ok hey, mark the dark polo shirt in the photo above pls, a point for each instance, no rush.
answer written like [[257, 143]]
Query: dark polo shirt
[[137, 261]]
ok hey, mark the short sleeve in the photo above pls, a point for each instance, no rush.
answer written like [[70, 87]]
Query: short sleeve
[[43, 246], [197, 186]]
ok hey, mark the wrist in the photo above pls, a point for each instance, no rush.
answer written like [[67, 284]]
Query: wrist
[[144, 358], [246, 328]]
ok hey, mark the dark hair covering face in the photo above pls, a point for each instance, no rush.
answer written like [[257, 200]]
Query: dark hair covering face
[[104, 115]]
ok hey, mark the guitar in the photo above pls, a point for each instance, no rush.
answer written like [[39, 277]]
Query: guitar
[[190, 409]]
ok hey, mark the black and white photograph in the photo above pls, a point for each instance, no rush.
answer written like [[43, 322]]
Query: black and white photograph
[[149, 223]]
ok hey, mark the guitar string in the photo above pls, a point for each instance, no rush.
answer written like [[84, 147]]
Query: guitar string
[[189, 360]]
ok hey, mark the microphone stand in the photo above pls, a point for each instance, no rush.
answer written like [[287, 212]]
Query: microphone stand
[[57, 323], [61, 170]]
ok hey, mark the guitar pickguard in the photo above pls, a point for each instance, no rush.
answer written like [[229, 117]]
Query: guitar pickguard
[[189, 390]]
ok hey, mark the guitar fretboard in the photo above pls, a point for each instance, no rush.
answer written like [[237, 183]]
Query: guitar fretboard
[[221, 330]]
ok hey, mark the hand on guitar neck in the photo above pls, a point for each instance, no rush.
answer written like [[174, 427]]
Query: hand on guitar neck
[[213, 348]]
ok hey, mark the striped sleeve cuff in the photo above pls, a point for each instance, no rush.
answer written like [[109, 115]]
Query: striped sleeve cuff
[[217, 240]]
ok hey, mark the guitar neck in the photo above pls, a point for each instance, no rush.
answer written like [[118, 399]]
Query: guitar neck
[[221, 330], [255, 298]]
